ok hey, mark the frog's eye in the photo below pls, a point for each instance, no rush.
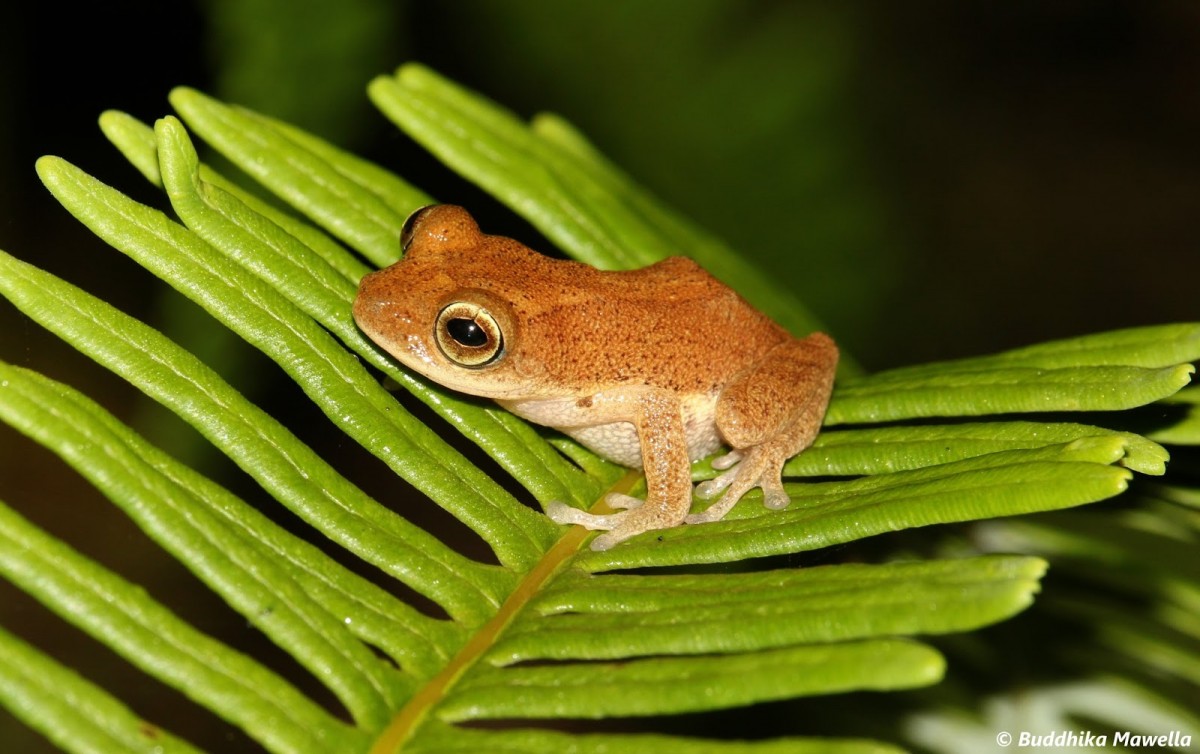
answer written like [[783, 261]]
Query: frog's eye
[[410, 226], [468, 335]]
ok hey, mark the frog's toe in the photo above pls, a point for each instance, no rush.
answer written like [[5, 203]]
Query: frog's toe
[[758, 468], [775, 496], [727, 461], [715, 486], [770, 478], [623, 502], [705, 516], [608, 540], [734, 483], [617, 527], [561, 513], [630, 523]]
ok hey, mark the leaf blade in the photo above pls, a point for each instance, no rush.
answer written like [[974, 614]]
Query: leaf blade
[[312, 183], [69, 710], [677, 685], [230, 561], [1003, 390], [332, 378], [881, 450], [622, 616], [263, 447], [159, 643], [874, 505], [452, 739]]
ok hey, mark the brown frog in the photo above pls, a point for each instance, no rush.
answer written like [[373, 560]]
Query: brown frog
[[650, 368]]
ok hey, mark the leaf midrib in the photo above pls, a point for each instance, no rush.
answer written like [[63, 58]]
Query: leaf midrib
[[407, 721]]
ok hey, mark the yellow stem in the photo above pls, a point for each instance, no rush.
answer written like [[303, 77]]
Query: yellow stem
[[409, 718]]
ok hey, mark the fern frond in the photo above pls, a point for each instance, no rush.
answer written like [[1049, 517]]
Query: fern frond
[[265, 449], [70, 711], [161, 644], [1121, 625], [550, 633]]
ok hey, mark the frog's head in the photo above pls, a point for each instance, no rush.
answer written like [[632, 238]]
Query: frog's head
[[455, 307]]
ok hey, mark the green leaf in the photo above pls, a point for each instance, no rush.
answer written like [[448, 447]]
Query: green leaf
[[1003, 390], [335, 380], [669, 686], [260, 445], [201, 523], [549, 633], [139, 145], [164, 646], [1103, 372], [227, 555], [70, 711], [850, 452], [629, 616], [1149, 347], [829, 513], [360, 204]]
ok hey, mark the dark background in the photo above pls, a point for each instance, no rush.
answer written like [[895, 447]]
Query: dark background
[[935, 179]]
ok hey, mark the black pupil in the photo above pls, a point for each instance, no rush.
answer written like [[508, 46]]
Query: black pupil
[[466, 332]]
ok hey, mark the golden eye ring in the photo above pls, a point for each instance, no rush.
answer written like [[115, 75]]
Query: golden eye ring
[[469, 335]]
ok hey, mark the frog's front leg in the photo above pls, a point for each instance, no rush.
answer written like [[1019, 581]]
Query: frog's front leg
[[768, 415], [657, 417]]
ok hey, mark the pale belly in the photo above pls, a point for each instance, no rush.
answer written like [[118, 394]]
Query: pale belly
[[618, 441]]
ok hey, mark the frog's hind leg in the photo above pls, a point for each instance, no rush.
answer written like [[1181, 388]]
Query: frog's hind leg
[[657, 416], [769, 415]]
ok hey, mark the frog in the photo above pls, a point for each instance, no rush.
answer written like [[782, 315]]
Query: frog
[[651, 368]]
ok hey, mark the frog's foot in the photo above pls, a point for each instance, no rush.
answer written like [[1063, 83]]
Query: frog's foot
[[637, 518], [760, 466]]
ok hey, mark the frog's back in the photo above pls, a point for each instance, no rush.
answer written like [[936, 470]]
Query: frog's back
[[671, 324]]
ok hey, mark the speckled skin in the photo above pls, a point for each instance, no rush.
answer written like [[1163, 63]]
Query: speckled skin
[[653, 367]]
